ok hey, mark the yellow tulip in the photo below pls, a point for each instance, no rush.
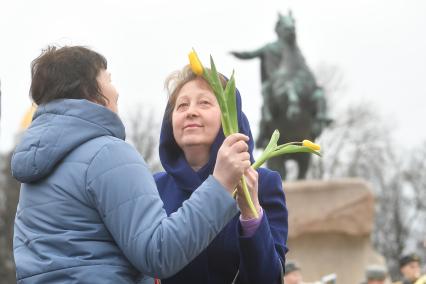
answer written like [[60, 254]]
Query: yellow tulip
[[311, 145], [195, 63]]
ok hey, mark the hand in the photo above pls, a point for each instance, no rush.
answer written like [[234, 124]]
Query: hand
[[252, 185], [232, 161]]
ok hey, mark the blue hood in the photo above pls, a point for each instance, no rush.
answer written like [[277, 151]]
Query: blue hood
[[173, 159], [58, 128]]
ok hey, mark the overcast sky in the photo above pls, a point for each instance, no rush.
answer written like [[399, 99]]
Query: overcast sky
[[380, 47]]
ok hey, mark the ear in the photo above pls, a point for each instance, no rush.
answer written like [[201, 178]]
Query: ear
[[290, 13], [280, 15]]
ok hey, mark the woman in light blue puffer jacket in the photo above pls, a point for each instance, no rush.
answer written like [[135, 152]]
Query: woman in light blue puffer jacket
[[89, 210]]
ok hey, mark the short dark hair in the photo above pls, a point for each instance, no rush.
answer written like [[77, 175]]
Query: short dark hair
[[406, 259], [67, 72]]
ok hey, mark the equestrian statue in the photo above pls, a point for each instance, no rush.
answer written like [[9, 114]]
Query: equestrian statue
[[293, 103]]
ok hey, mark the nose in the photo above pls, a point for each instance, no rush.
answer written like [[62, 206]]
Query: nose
[[192, 111]]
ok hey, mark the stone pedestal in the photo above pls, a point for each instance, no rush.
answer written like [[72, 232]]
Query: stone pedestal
[[330, 223]]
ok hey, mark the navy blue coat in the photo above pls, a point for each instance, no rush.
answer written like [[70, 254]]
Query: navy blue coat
[[259, 258]]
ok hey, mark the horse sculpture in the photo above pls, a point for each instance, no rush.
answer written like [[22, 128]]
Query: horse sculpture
[[293, 103]]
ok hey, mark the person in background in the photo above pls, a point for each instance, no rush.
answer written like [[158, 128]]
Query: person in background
[[375, 275], [293, 274], [409, 266], [248, 249], [89, 210]]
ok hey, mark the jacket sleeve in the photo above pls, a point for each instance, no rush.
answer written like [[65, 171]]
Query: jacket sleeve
[[124, 192], [262, 255]]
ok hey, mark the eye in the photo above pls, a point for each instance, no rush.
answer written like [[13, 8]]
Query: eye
[[205, 102], [181, 105]]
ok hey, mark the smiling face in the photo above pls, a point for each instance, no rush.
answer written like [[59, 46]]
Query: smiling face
[[196, 116]]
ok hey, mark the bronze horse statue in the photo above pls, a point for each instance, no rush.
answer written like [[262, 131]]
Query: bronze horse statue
[[293, 103]]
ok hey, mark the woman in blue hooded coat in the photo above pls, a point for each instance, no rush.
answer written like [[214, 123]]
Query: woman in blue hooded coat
[[247, 250]]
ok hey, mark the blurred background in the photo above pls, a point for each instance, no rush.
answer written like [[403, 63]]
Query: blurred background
[[369, 56]]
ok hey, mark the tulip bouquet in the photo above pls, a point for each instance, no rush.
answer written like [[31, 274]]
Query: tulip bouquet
[[227, 103]]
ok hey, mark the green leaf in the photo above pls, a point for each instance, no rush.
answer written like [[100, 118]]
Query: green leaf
[[215, 81], [260, 161], [225, 126], [269, 148], [273, 141], [218, 92], [217, 89], [216, 85], [231, 102]]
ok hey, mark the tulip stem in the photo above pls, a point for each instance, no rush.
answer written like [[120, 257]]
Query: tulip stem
[[248, 197]]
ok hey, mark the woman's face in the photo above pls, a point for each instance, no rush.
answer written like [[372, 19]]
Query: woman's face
[[108, 89], [196, 115]]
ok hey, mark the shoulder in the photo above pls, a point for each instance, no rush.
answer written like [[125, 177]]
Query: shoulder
[[271, 46], [269, 178], [421, 280], [109, 153], [270, 186]]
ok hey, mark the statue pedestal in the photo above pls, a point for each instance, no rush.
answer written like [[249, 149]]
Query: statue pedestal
[[330, 223]]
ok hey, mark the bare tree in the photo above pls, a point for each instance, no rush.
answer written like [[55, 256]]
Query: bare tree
[[415, 179], [354, 145], [359, 144], [143, 131], [9, 188], [331, 79], [0, 102]]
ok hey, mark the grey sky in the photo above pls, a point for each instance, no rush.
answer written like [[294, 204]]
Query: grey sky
[[380, 46]]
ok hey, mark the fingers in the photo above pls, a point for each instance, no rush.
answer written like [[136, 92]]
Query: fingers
[[241, 163], [233, 138], [244, 156], [245, 161], [251, 176], [240, 146], [250, 172], [232, 160]]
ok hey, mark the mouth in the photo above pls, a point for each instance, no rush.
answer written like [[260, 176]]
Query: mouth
[[190, 126]]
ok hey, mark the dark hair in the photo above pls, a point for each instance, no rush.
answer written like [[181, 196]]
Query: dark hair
[[67, 72], [406, 259]]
